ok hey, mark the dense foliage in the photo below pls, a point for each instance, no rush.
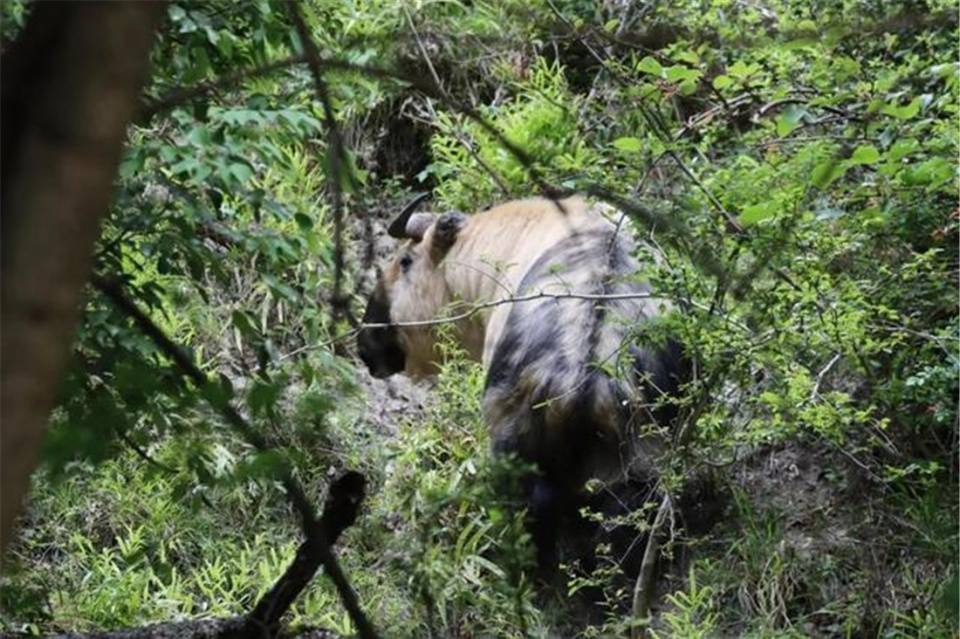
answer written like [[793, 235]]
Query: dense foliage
[[794, 165]]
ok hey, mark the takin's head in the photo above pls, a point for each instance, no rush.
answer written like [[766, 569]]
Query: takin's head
[[410, 288]]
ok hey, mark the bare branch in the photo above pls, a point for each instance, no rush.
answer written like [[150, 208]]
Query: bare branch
[[315, 532], [477, 308], [340, 511], [420, 45], [822, 374]]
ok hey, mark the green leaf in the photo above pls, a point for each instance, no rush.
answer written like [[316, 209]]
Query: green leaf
[[651, 66], [789, 119], [132, 163], [844, 67], [629, 145], [241, 172], [742, 70], [686, 55], [648, 90], [216, 393], [866, 154], [186, 165], [903, 112], [199, 136], [827, 172], [263, 397], [245, 323], [722, 82], [680, 73], [800, 43], [950, 595], [834, 35], [303, 221], [279, 289], [902, 149], [872, 216], [757, 212], [267, 464], [933, 171], [688, 87]]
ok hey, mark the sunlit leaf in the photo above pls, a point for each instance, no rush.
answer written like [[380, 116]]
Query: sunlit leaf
[[651, 66], [866, 154], [628, 144], [827, 172]]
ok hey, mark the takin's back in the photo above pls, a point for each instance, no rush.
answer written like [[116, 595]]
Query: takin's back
[[569, 383]]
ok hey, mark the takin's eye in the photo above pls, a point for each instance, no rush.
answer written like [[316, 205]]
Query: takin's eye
[[405, 262]]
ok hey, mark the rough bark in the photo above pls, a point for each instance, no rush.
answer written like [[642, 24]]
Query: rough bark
[[70, 86]]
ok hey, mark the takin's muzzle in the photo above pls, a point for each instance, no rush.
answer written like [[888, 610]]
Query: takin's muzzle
[[379, 347]]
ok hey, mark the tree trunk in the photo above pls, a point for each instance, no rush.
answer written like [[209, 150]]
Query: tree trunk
[[70, 86]]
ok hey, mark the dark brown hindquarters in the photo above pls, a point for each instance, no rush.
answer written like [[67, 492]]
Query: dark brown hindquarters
[[548, 396]]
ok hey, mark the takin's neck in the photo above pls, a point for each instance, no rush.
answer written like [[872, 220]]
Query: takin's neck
[[494, 251]]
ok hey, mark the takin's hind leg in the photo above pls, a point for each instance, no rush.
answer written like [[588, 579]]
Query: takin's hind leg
[[549, 501], [552, 508], [545, 513]]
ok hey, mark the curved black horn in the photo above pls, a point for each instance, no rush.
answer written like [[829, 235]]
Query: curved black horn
[[398, 228]]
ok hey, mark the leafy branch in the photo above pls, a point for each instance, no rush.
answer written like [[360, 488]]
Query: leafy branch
[[180, 96]]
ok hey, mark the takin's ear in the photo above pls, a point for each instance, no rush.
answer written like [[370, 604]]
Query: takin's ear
[[445, 233]]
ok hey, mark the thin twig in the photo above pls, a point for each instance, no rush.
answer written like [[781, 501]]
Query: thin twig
[[431, 119], [643, 588], [142, 454], [420, 45], [433, 114], [822, 374], [733, 225], [476, 308]]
